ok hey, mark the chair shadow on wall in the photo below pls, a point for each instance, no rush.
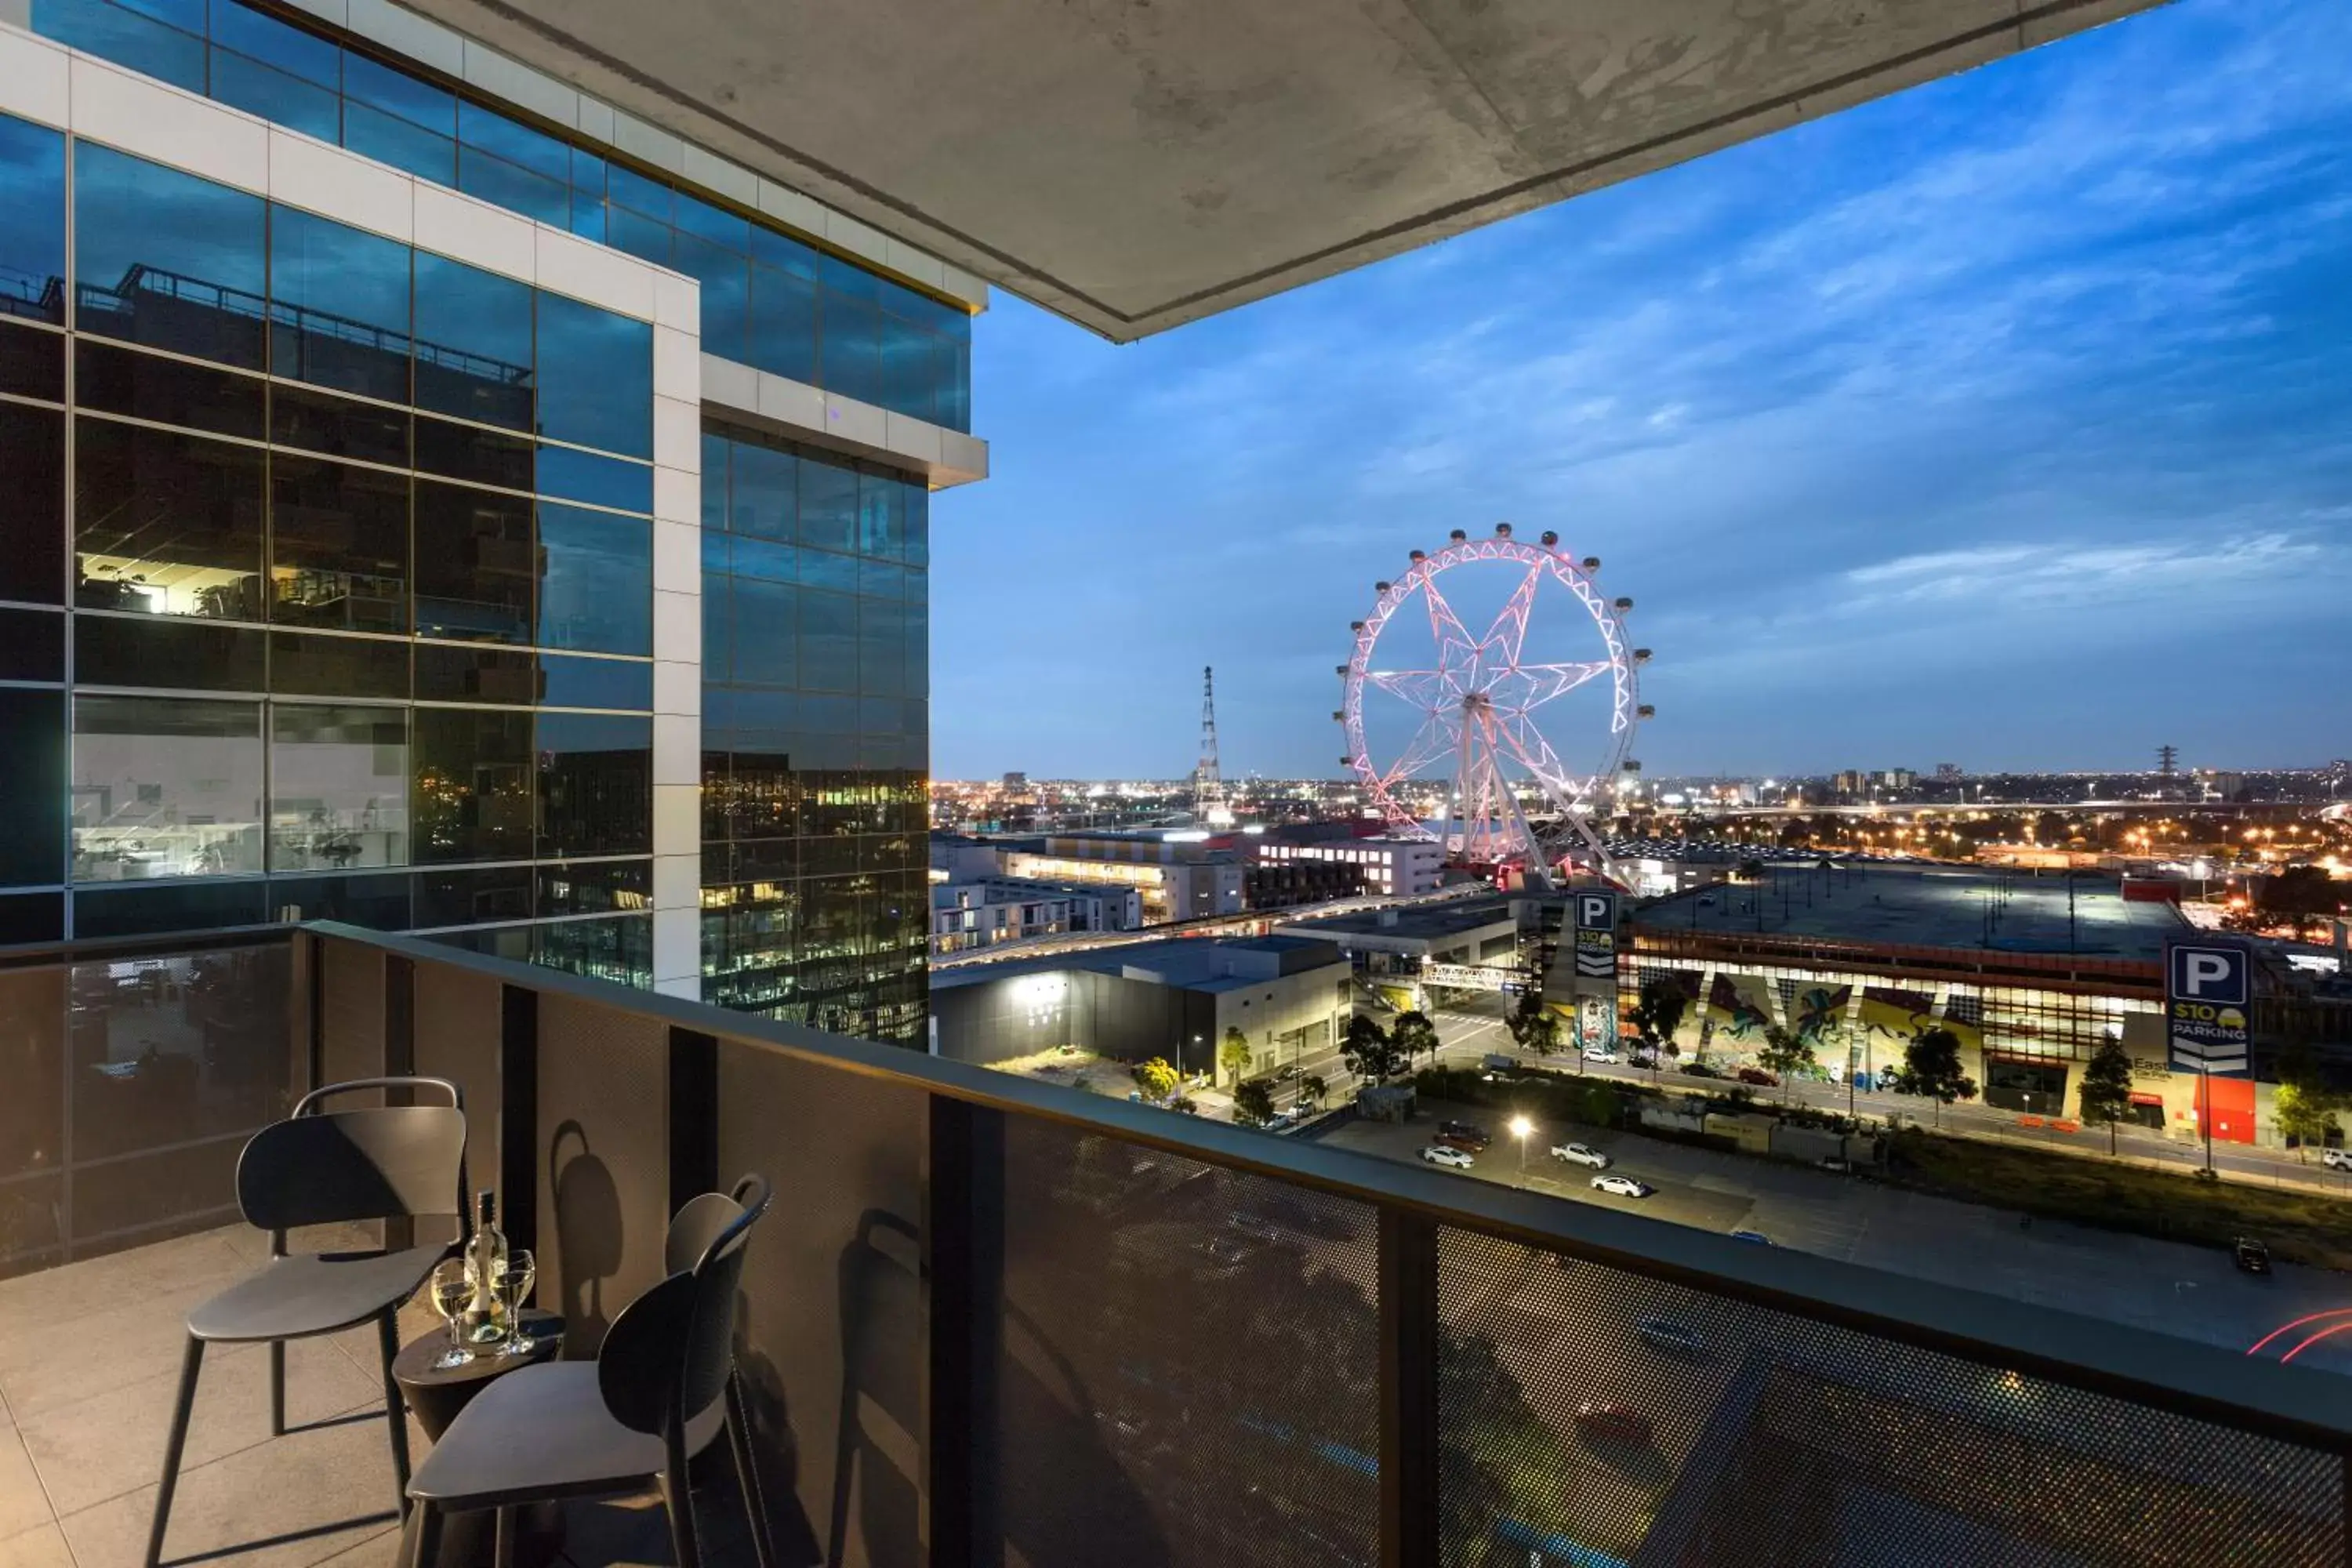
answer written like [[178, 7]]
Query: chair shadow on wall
[[1048, 1429], [587, 1238]]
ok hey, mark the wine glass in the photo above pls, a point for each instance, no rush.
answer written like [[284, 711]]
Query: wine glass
[[522, 1272], [452, 1293]]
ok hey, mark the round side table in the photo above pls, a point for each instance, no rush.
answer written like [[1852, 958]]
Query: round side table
[[436, 1394]]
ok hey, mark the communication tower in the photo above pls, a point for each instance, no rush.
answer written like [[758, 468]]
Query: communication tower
[[1210, 806]]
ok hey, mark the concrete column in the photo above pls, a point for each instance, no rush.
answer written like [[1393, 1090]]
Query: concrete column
[[677, 647]]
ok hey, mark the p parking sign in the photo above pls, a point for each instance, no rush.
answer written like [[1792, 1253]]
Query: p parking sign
[[1595, 934], [2207, 989]]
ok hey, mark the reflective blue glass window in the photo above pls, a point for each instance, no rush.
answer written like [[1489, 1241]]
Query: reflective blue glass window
[[828, 506], [596, 589], [629, 189], [388, 138], [715, 223], [277, 95], [783, 251], [882, 580], [168, 259], [474, 563], [576, 474], [828, 642], [783, 324], [273, 42], [639, 236], [764, 646], [759, 558], [338, 306], [516, 144], [848, 354], [595, 683], [714, 482], [173, 53], [473, 343], [848, 282], [596, 377], [881, 516], [725, 276], [596, 783], [881, 649], [763, 489], [919, 523], [823, 569], [715, 551], [397, 93], [908, 361], [513, 187], [33, 236], [718, 645]]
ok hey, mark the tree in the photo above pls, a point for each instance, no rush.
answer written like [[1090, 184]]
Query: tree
[[1254, 1103], [1523, 1014], [1931, 1066], [1368, 1052], [1542, 1035], [1785, 1054], [1156, 1080], [2306, 1106], [2106, 1094], [1233, 1053], [1658, 1014], [1312, 1088], [1413, 1034], [2296, 896]]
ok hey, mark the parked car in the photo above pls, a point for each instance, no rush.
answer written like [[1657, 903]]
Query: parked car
[[1601, 1054], [1832, 1163], [2250, 1255], [1469, 1131], [1665, 1334], [1624, 1186], [1699, 1069], [1759, 1077], [1618, 1422], [2336, 1159], [1451, 1159], [1456, 1141], [1757, 1236], [1580, 1155]]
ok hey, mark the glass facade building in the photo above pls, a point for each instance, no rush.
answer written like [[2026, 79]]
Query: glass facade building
[[769, 299], [330, 587]]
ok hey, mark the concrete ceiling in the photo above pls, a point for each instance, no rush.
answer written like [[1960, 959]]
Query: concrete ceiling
[[1138, 164]]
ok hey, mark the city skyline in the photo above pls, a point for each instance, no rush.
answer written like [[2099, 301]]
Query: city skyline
[[1993, 420]]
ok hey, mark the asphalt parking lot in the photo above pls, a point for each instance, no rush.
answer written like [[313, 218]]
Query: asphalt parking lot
[[2189, 1291]]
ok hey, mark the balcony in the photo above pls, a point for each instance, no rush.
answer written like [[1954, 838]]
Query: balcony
[[992, 1322]]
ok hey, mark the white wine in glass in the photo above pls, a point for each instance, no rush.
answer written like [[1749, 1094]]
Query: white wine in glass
[[522, 1272], [452, 1291]]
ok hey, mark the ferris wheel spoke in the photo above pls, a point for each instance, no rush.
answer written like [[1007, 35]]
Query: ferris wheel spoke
[[1457, 650], [1439, 737], [1526, 744], [1426, 689], [1501, 646], [1527, 685]]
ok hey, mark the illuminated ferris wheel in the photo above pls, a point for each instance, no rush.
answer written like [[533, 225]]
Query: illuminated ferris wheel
[[1478, 715]]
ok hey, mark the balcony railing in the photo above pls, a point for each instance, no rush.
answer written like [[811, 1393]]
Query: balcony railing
[[991, 1321]]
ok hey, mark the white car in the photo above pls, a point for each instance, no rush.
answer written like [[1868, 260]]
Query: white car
[[1580, 1155], [1601, 1054], [1665, 1334], [1624, 1186], [1453, 1159], [2336, 1159]]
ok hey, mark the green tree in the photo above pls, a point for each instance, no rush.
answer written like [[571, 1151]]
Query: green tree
[[1413, 1034], [1156, 1080], [2306, 1106], [2105, 1093], [1931, 1066], [1657, 1015], [2297, 897], [1542, 1034], [1785, 1054], [1233, 1053], [1368, 1052], [1312, 1088], [1523, 1014], [1254, 1103]]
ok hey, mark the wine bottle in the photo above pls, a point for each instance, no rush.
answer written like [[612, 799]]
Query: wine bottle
[[485, 1271]]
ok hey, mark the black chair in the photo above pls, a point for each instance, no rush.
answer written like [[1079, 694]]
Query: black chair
[[339, 1167], [630, 1421]]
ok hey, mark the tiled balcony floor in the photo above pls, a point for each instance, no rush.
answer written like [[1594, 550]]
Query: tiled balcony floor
[[89, 1360]]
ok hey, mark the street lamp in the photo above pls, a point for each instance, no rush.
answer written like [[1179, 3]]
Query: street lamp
[[1520, 1127]]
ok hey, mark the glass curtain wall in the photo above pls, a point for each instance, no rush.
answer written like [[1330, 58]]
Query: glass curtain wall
[[343, 603], [768, 299], [815, 597]]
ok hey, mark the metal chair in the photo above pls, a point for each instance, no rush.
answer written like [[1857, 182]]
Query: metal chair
[[660, 1388], [330, 1168]]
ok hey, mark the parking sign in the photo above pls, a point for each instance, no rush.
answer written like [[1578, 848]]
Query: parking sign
[[2206, 996], [1596, 933]]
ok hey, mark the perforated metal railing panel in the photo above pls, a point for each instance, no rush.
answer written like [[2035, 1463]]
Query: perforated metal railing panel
[[1589, 1415], [1191, 1376]]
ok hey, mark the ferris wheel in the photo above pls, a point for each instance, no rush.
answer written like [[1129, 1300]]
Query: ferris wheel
[[1460, 711]]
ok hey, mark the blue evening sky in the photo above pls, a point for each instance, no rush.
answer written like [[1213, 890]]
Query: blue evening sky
[[2006, 422]]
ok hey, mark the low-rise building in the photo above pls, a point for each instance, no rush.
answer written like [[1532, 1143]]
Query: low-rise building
[[1174, 999], [1180, 875], [967, 915], [1402, 868], [1399, 941]]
